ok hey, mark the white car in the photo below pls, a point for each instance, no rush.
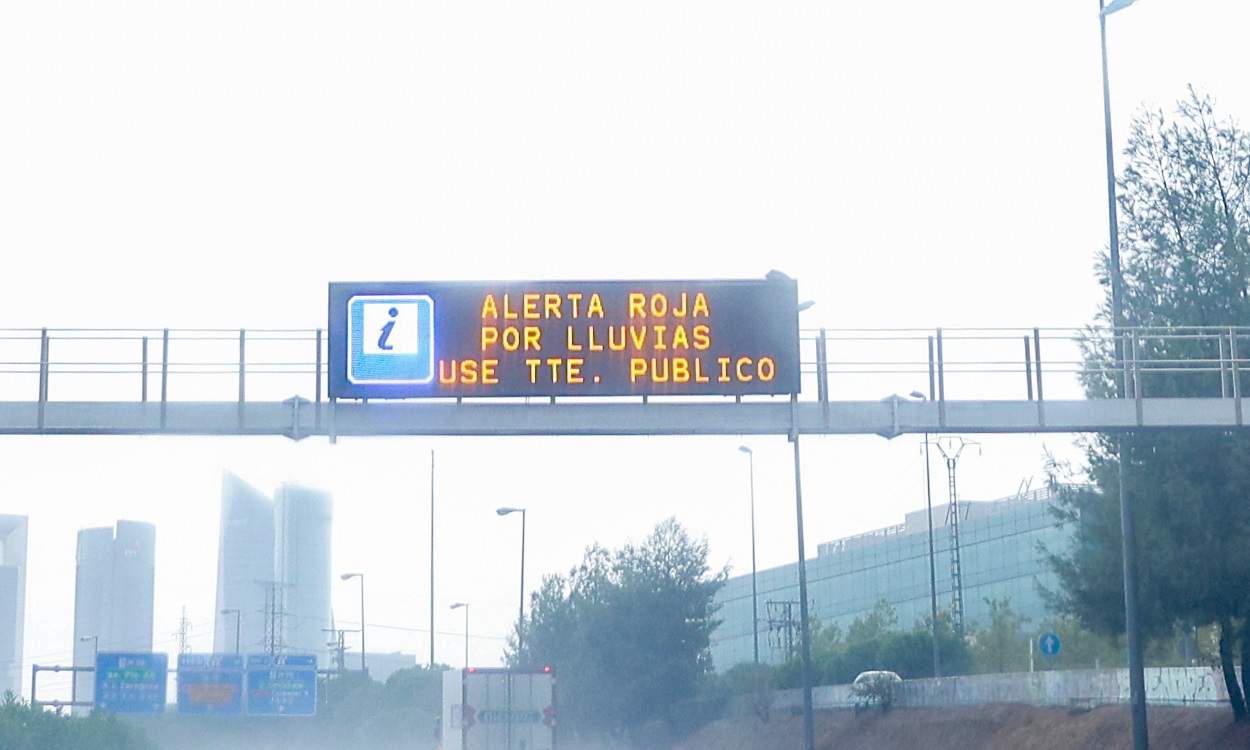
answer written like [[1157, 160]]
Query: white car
[[875, 688]]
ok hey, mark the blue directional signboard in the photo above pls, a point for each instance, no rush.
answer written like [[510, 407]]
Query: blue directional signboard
[[281, 685], [130, 683], [564, 338], [210, 684], [1049, 644]]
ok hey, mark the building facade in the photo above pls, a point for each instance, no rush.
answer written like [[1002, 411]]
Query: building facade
[[1002, 549], [114, 586], [273, 569], [245, 572], [302, 524], [12, 600]]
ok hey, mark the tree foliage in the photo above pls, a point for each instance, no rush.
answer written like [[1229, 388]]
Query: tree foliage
[[27, 727], [873, 641], [1002, 645], [628, 632], [1185, 249]]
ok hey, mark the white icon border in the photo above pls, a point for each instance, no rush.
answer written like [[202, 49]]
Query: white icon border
[[376, 297]]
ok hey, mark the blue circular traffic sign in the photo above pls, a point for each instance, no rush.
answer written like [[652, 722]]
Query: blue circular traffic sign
[[1049, 644]]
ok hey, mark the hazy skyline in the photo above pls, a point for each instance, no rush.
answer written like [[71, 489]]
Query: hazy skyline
[[909, 163]]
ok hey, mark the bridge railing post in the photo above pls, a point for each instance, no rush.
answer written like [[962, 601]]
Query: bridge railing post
[[164, 376], [242, 373], [941, 381], [932, 372], [1236, 368], [822, 375], [1041, 399], [1224, 362], [1028, 367], [43, 375], [317, 386], [1137, 378], [143, 378]]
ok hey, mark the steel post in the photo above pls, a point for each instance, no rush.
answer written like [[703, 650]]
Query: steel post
[[809, 728]]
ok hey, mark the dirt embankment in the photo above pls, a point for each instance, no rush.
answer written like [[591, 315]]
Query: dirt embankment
[[1004, 726]]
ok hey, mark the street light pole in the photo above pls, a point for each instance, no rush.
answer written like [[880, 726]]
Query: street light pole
[[809, 728], [933, 610], [755, 617], [236, 614], [465, 606], [431, 560], [805, 627], [95, 656], [520, 624], [1132, 625], [361, 576], [928, 494]]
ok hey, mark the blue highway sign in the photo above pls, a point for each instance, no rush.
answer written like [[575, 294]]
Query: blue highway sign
[[283, 685], [130, 683], [1049, 644], [210, 684]]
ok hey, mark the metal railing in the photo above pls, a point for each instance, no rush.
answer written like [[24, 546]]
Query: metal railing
[[941, 364]]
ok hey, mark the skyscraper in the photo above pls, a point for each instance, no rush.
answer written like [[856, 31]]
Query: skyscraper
[[302, 519], [12, 600], [245, 566], [113, 594]]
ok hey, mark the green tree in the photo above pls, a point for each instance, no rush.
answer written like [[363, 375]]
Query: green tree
[[873, 641], [27, 727], [1002, 646], [628, 632], [1185, 248]]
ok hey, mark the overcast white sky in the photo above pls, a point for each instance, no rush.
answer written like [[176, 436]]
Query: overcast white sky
[[912, 163]]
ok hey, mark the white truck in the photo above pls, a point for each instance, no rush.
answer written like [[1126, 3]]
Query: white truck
[[499, 709]]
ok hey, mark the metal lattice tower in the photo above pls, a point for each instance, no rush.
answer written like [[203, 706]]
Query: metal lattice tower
[[275, 614], [951, 448], [782, 624], [183, 633]]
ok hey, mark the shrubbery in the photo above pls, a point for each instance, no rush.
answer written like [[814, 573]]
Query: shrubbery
[[26, 727]]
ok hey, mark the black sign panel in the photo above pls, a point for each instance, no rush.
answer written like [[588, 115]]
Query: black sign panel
[[563, 338]]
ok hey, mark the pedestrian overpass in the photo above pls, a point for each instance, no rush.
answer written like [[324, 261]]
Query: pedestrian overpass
[[273, 382]]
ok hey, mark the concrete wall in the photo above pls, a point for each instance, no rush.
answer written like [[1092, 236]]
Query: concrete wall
[[1089, 687]]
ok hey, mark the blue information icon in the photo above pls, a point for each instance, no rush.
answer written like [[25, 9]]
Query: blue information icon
[[390, 339]]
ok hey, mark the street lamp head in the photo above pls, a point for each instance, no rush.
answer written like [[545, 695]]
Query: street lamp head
[[806, 305], [745, 449], [458, 605], [1116, 6], [919, 395], [506, 511], [349, 576], [230, 611]]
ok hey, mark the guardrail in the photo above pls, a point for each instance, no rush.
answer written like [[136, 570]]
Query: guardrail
[[147, 373], [838, 364]]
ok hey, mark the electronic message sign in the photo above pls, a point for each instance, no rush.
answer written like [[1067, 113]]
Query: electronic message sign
[[210, 684], [282, 685], [130, 683], [563, 338]]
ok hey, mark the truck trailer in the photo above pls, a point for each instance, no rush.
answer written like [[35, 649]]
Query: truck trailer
[[499, 709]]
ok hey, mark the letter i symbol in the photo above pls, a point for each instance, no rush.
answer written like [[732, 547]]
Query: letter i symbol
[[386, 331]]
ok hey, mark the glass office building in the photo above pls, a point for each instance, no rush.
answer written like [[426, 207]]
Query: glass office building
[[12, 600], [1002, 554], [115, 582]]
